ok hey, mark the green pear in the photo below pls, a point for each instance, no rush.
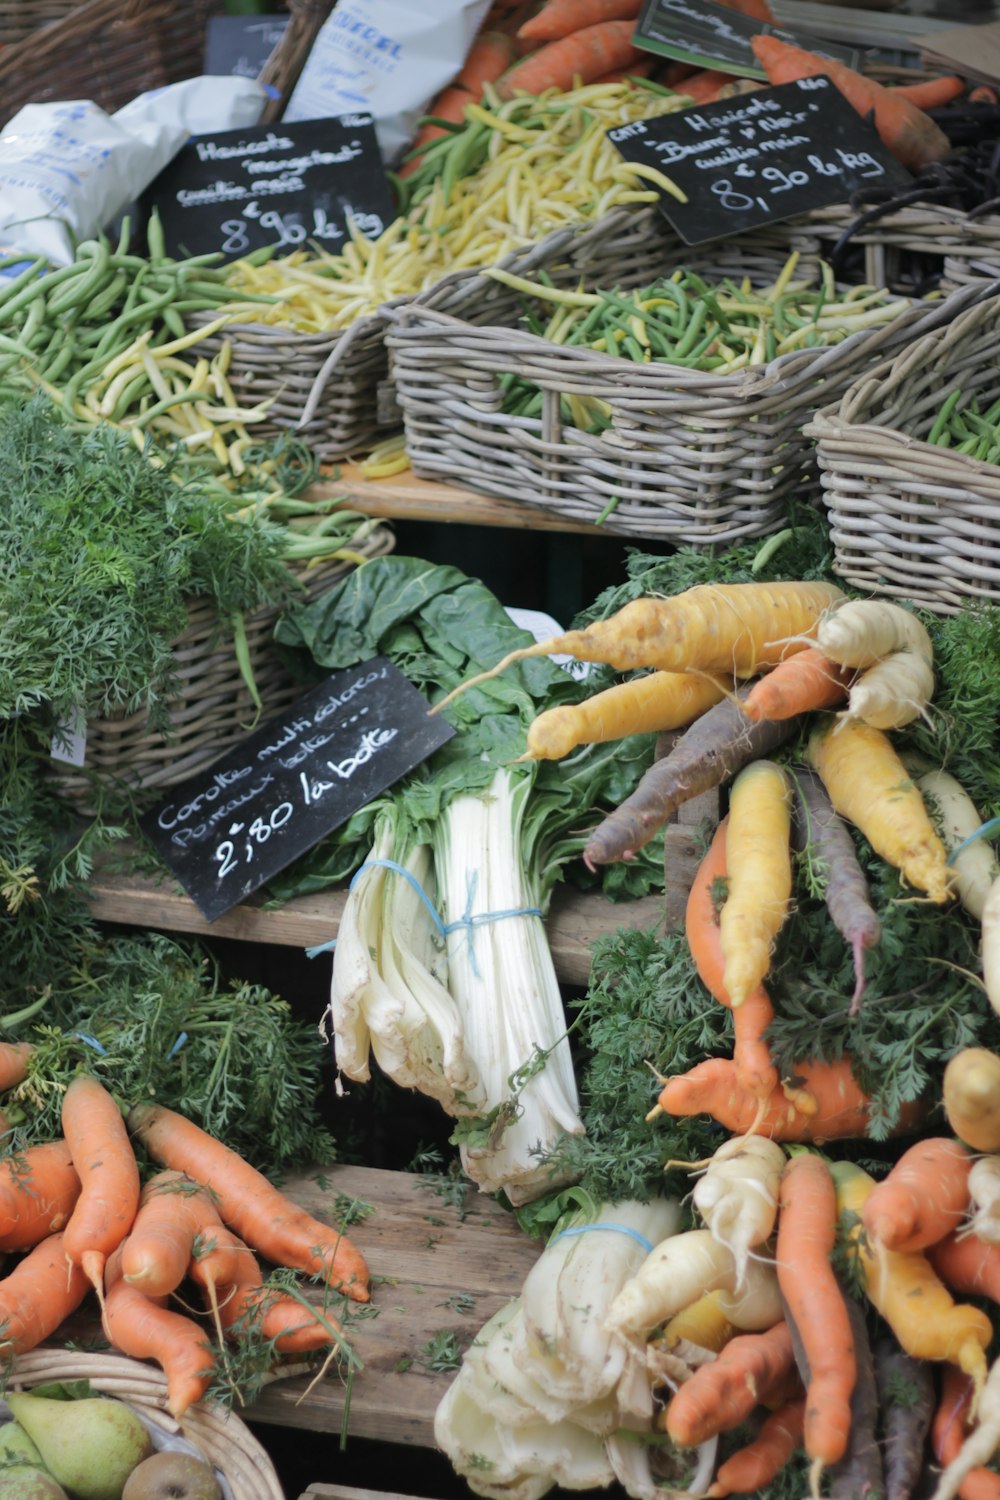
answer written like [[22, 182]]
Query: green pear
[[24, 1482], [89, 1446], [15, 1443]]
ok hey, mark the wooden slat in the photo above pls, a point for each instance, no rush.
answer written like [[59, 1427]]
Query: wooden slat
[[404, 497], [575, 920]]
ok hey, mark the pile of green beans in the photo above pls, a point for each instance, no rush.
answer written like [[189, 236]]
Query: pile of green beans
[[683, 320], [968, 429]]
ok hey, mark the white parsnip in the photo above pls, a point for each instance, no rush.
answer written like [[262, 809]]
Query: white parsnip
[[676, 1274], [894, 692], [738, 1195], [976, 868], [984, 1191], [862, 631], [990, 947]]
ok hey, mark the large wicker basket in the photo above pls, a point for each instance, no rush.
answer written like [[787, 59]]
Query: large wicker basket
[[213, 707], [221, 1438], [20, 18], [920, 246], [690, 457], [907, 518]]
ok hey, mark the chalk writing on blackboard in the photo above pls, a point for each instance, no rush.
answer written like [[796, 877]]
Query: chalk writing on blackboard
[[712, 36]]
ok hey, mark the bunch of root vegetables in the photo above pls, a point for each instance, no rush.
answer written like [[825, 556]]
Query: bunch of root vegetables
[[77, 1215], [706, 1364]]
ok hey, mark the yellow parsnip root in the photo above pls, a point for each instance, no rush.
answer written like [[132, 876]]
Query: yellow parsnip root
[[759, 866], [703, 1324], [905, 1289], [732, 629], [644, 705], [863, 631], [869, 785]]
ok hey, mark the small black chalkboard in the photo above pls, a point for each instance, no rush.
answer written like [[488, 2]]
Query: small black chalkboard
[[759, 157], [239, 46], [715, 36], [282, 185], [227, 830]]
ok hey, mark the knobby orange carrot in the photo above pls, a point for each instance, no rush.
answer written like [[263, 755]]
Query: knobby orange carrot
[[798, 685], [968, 1265], [807, 1231], [751, 1054], [722, 1394], [13, 1063], [933, 94], [37, 1296], [144, 1328], [924, 1197], [243, 1301], [559, 18], [262, 1216], [751, 1469], [38, 1192], [903, 128], [173, 1212], [585, 54], [109, 1178]]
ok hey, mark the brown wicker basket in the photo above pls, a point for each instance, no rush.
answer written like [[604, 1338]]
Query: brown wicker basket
[[924, 243], [212, 707], [21, 18], [690, 456], [910, 519], [219, 1435]]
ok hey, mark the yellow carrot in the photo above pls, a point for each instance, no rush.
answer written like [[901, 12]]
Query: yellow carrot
[[644, 705], [759, 869], [703, 1324], [905, 1289], [870, 787]]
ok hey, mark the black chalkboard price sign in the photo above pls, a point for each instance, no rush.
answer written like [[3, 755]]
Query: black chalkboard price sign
[[239, 46], [759, 157], [281, 185], [716, 36], [226, 831]]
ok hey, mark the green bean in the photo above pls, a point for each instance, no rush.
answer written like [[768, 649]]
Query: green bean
[[993, 415], [130, 395], [54, 371], [938, 430], [968, 445], [693, 329], [173, 320], [34, 323], [98, 307], [30, 287], [459, 160], [612, 505], [155, 242], [178, 398]]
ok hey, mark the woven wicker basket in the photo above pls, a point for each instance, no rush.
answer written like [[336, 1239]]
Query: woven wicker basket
[[909, 519], [690, 457], [212, 708], [921, 245], [20, 18], [221, 1438]]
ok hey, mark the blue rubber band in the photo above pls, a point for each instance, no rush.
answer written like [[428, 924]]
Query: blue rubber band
[[91, 1041], [991, 827], [177, 1045], [321, 948], [633, 1234]]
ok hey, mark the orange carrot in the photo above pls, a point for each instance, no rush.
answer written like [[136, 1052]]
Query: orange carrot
[[807, 1230], [38, 1192], [38, 1296], [758, 10], [143, 1328], [933, 94], [559, 18], [490, 55], [924, 1197], [703, 87], [984, 94], [798, 685], [262, 1216], [173, 1212], [244, 1300], [968, 1265], [109, 1178], [722, 1394], [13, 1063], [638, 70], [751, 1469], [216, 1261], [903, 128], [948, 1434], [751, 1053], [585, 55]]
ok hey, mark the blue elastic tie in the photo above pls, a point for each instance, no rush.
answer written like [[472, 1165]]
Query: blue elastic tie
[[980, 833], [91, 1041], [633, 1234], [177, 1045]]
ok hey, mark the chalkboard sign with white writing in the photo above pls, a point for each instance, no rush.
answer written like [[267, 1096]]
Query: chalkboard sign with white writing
[[239, 46], [715, 36], [226, 831], [759, 157], [282, 185]]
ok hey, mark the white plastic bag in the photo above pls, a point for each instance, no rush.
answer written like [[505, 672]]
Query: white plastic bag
[[389, 57], [68, 169]]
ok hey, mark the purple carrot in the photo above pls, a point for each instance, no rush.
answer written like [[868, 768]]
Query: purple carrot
[[859, 1475], [906, 1396]]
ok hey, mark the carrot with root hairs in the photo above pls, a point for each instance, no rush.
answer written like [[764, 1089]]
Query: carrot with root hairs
[[13, 1063], [751, 1469], [261, 1215], [964, 1458], [816, 1309], [869, 786], [243, 1301], [173, 1212], [650, 704], [583, 55], [144, 1328], [717, 745], [109, 1177], [798, 685], [924, 1197], [38, 1296], [967, 1265], [906, 1402], [934, 94], [822, 836], [759, 862], [39, 1189], [733, 630], [751, 1053], [752, 1369], [559, 18], [905, 130]]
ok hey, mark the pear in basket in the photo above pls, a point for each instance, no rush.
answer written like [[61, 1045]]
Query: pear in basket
[[89, 1446]]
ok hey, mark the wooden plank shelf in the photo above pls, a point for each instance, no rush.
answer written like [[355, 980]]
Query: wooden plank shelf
[[575, 920]]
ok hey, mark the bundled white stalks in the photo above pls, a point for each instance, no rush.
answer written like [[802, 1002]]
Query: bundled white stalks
[[542, 1401], [738, 1195], [631, 1459], [984, 1191], [681, 1270], [504, 984]]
